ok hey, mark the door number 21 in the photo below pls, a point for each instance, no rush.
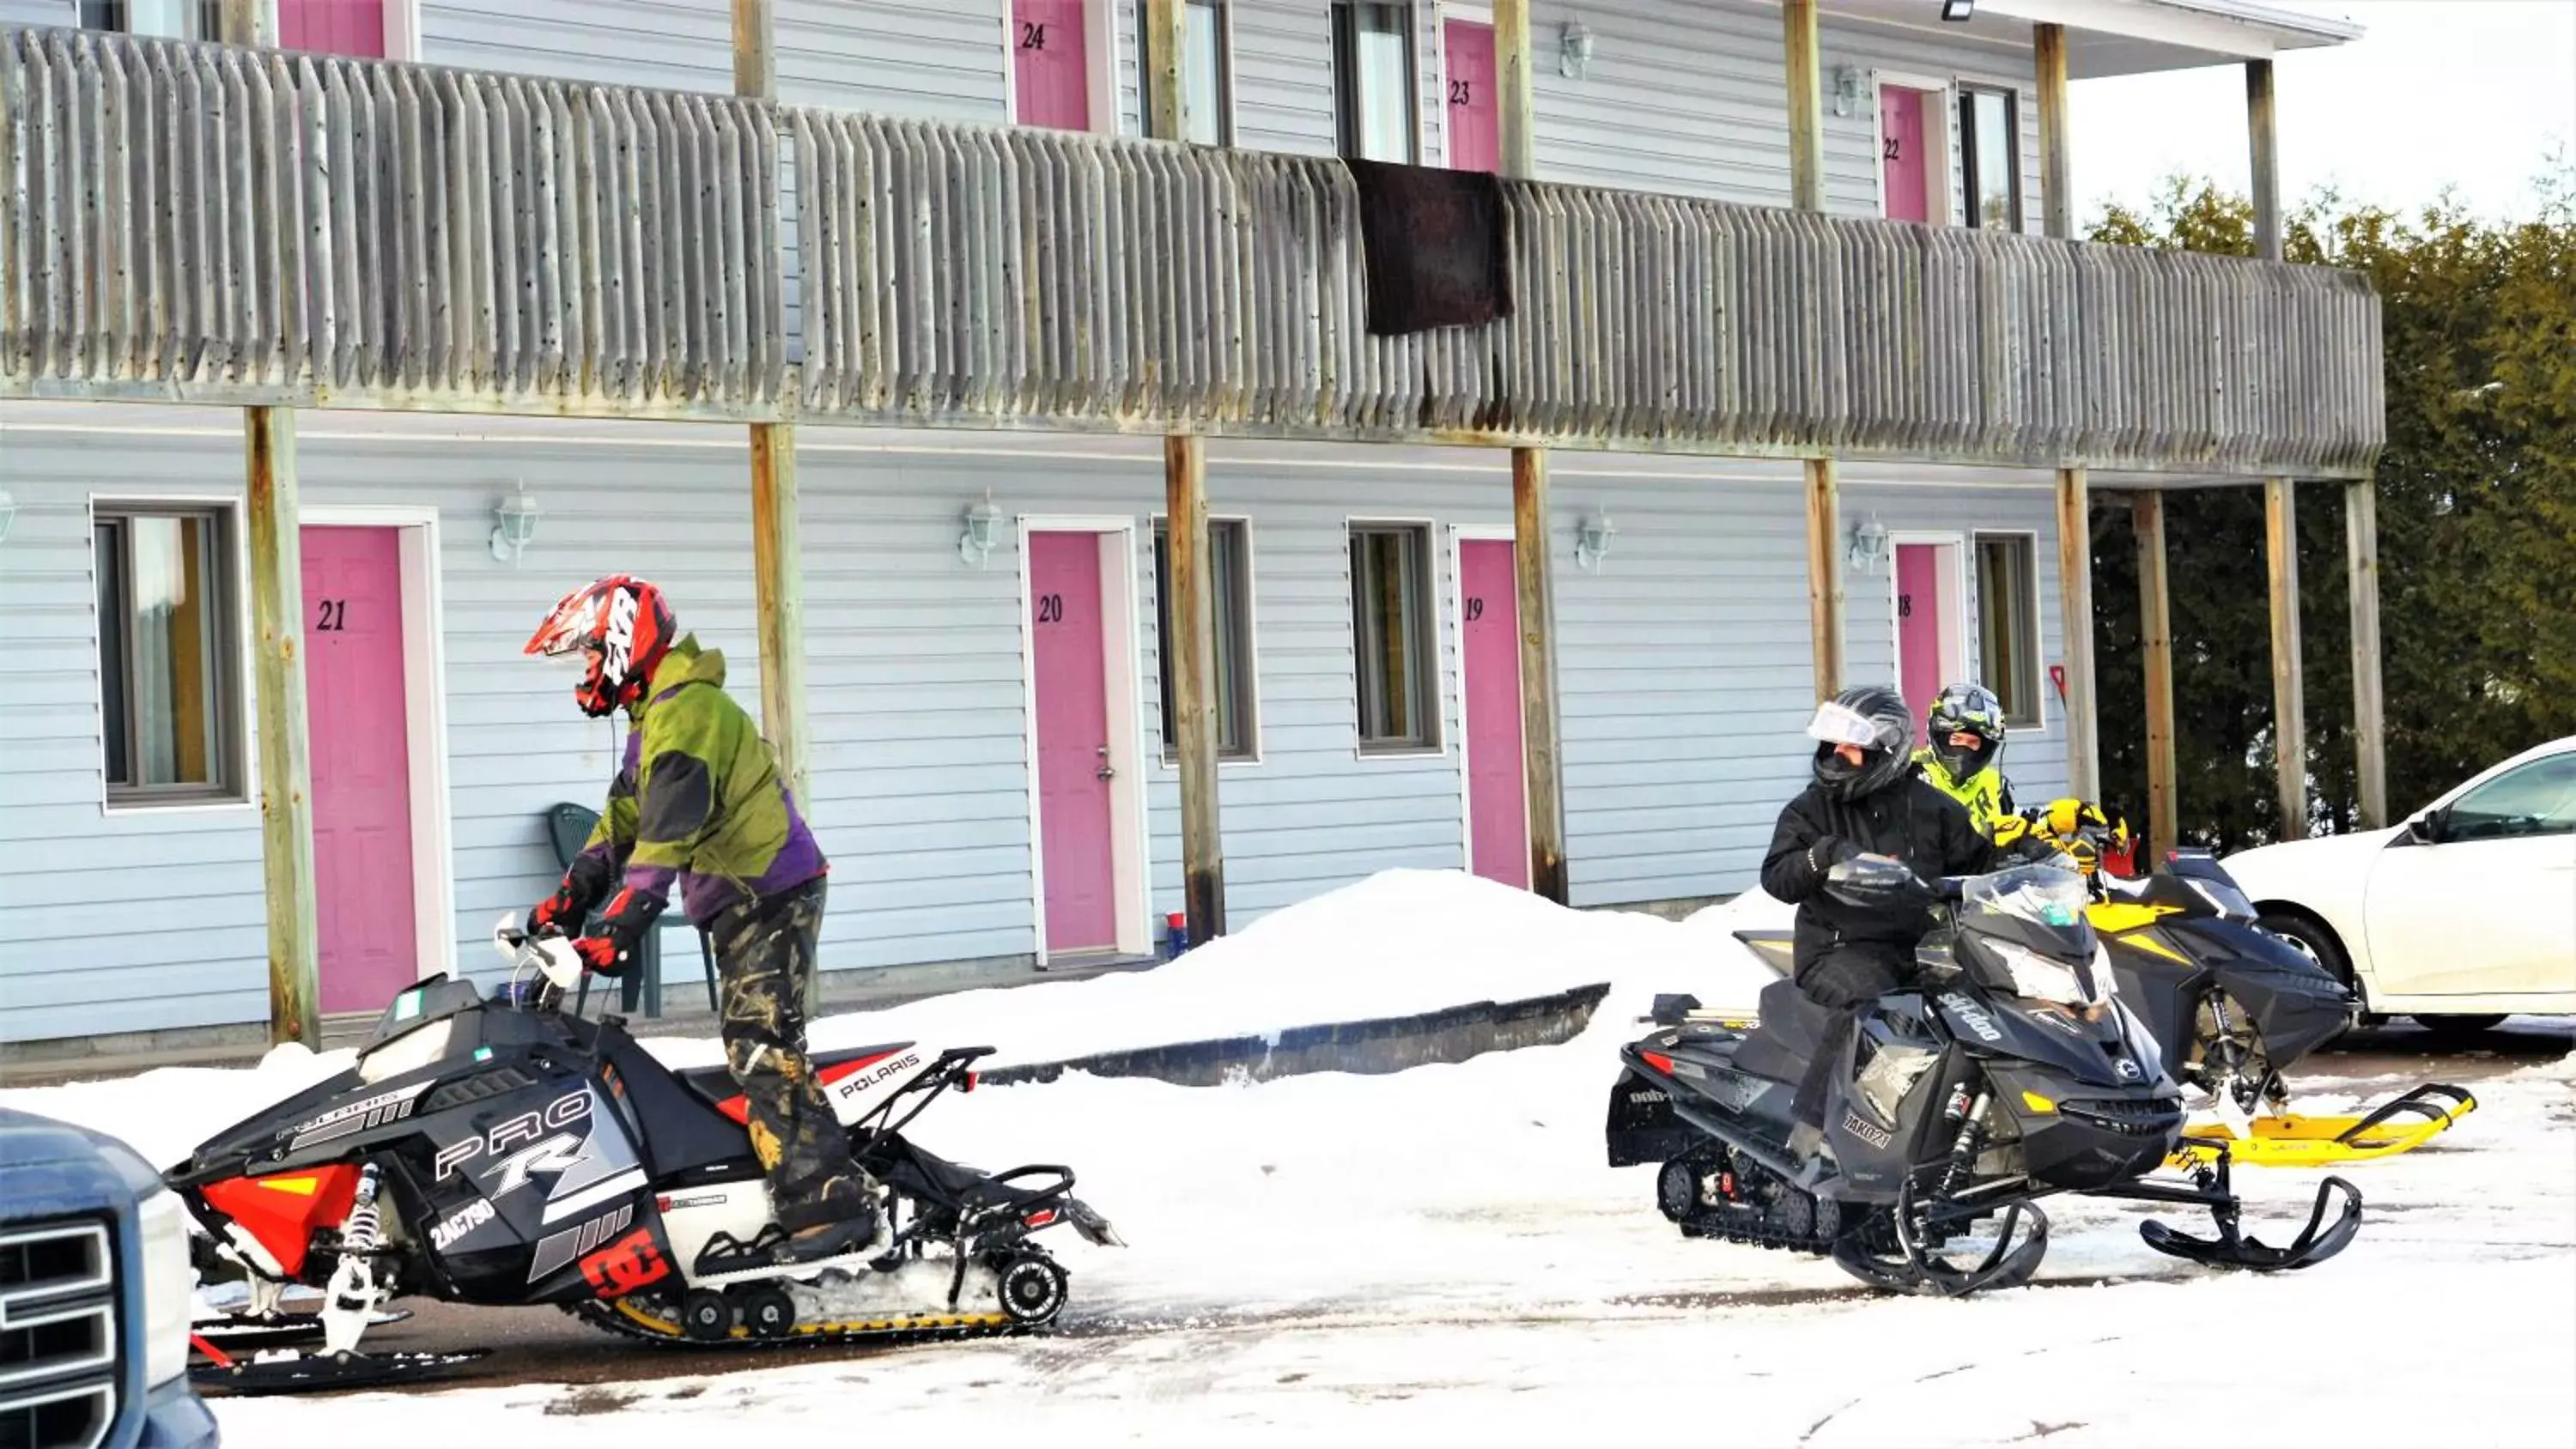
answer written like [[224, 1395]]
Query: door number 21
[[335, 617]]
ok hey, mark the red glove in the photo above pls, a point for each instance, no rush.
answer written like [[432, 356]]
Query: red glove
[[600, 954]]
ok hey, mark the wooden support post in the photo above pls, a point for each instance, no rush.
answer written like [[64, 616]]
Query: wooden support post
[[1515, 97], [2266, 158], [249, 22], [2155, 641], [2369, 726], [285, 751], [1166, 51], [2056, 187], [1536, 583], [778, 580], [1193, 665], [1825, 575], [2289, 709], [755, 50], [1806, 110], [2075, 630]]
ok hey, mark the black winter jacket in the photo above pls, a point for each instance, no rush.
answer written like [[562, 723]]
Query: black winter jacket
[[1911, 820]]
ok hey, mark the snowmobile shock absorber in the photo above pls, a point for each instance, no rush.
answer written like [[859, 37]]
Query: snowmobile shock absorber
[[353, 1296], [1963, 1148], [362, 1232]]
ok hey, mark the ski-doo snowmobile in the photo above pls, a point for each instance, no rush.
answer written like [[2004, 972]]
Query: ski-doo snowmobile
[[2233, 1004], [497, 1151], [2010, 1072]]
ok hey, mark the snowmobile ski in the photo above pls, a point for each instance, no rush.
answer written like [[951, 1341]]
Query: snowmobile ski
[[287, 1371], [2299, 1140], [249, 1334]]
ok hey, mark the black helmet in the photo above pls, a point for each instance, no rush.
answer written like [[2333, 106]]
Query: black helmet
[[1874, 718], [1966, 709]]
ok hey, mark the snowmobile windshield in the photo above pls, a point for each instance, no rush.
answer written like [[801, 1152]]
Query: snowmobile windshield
[[2041, 895], [2030, 922], [430, 1022]]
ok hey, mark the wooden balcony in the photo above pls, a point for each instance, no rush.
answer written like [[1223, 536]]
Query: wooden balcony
[[219, 225]]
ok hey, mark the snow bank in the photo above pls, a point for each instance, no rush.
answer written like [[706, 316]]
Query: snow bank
[[1397, 944]]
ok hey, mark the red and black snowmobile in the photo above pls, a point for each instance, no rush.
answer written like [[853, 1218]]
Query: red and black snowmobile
[[495, 1150]]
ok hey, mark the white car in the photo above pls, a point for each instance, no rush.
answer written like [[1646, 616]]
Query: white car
[[2462, 915]]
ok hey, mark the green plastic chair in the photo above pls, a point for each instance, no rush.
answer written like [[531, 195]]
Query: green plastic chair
[[568, 826]]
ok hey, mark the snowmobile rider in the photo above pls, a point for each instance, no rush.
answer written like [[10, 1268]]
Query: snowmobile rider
[[698, 803], [1963, 751], [1857, 944]]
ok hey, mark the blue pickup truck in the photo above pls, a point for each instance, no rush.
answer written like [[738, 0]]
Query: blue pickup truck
[[95, 1291]]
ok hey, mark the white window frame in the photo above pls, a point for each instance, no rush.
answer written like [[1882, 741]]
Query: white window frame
[[1461, 534], [1168, 758], [2038, 625], [1955, 659], [1129, 827], [1968, 203], [1944, 179], [241, 794], [1434, 633], [425, 713], [1343, 83]]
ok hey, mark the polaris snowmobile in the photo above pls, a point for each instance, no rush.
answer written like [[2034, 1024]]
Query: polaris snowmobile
[[2010, 1072], [2234, 1005], [497, 1151]]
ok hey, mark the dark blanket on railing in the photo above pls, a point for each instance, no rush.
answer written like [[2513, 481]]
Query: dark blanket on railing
[[1435, 245]]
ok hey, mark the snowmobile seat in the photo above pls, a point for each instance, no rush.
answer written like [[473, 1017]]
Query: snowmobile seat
[[715, 1085], [1791, 1029]]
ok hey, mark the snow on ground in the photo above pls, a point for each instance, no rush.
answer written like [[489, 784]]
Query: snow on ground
[[1440, 1256]]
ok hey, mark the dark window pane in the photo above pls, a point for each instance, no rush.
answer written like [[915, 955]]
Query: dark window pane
[[1390, 593], [108, 551], [1373, 57], [1230, 586], [2008, 626], [1992, 151]]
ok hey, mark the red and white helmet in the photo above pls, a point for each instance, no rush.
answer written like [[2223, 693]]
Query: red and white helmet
[[624, 625]]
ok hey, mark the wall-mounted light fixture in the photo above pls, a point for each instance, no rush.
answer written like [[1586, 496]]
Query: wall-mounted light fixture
[[1960, 11], [1846, 89], [8, 513], [514, 524], [983, 523], [1865, 548], [1574, 50], [1592, 539]]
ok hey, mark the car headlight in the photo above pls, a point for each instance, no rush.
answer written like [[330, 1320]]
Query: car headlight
[[2038, 978], [169, 1286]]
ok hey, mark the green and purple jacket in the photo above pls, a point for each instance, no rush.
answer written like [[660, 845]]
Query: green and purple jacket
[[698, 802]]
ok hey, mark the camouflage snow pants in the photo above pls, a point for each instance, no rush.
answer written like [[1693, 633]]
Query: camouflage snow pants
[[762, 955]]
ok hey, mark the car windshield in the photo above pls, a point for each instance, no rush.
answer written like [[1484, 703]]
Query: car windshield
[[2044, 895]]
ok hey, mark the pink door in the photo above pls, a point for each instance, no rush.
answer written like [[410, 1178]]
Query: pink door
[[1918, 625], [332, 27], [1050, 64], [1497, 810], [1475, 134], [1902, 159], [355, 712], [1073, 742]]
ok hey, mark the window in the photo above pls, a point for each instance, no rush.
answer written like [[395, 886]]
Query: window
[[169, 19], [1990, 155], [1230, 585], [1373, 80], [166, 657], [2008, 624], [1207, 72], [2534, 799], [1391, 594]]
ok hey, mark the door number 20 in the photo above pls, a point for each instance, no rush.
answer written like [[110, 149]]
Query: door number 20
[[1050, 608]]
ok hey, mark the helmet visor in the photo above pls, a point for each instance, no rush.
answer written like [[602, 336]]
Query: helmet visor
[[1837, 723]]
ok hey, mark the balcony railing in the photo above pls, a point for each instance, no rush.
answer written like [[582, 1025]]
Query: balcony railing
[[211, 224]]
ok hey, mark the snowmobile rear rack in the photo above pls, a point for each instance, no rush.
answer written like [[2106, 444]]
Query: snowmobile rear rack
[[2297, 1140]]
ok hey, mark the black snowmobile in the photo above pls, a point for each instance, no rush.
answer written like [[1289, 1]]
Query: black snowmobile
[[497, 1151], [2010, 1072]]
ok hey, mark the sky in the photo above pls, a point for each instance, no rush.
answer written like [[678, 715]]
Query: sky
[[2469, 94]]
